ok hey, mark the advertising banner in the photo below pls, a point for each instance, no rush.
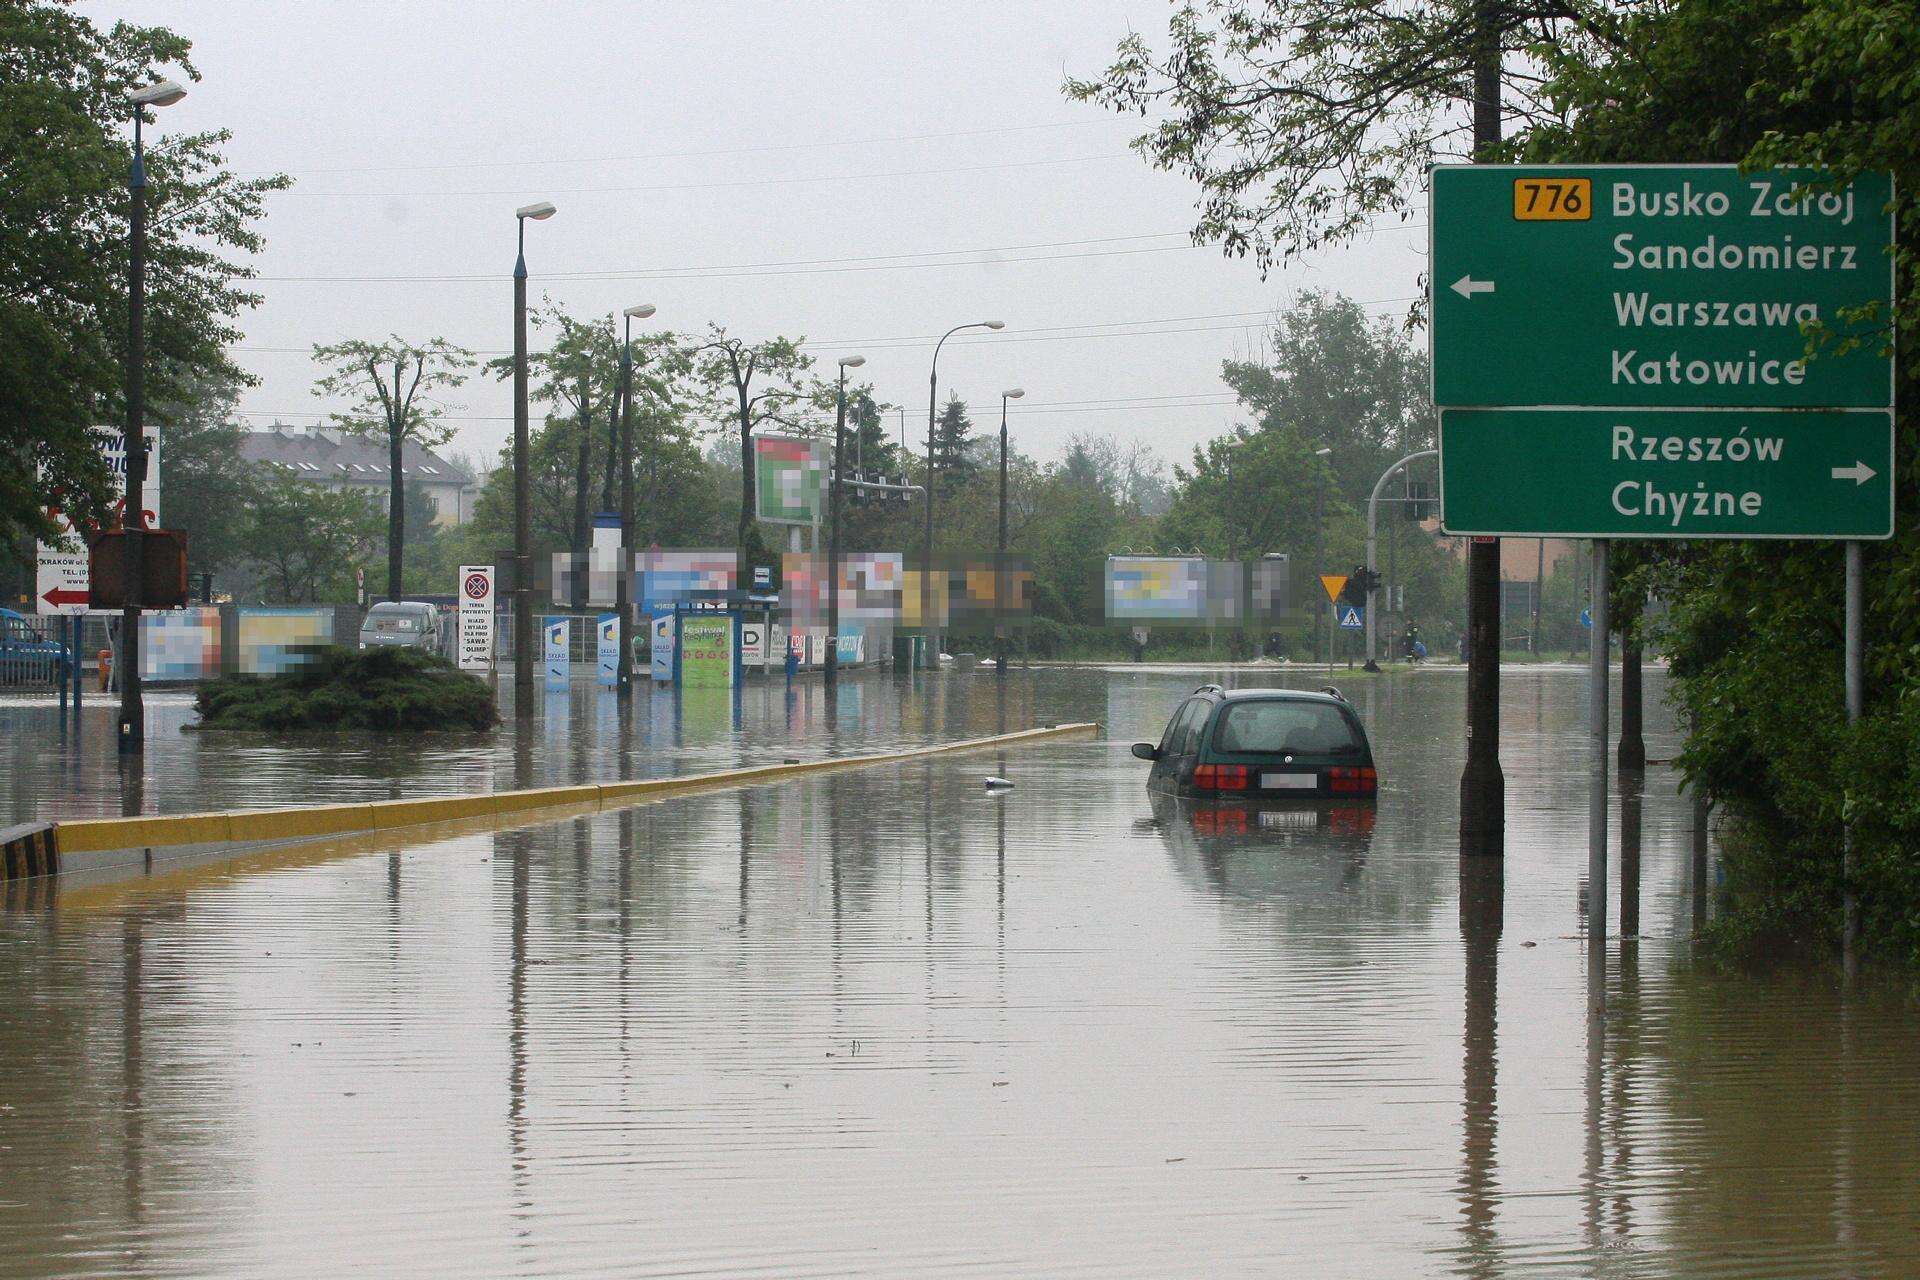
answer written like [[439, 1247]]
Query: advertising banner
[[181, 644], [274, 641], [661, 633], [558, 633], [61, 580], [753, 643], [607, 671], [708, 650], [476, 617], [789, 479]]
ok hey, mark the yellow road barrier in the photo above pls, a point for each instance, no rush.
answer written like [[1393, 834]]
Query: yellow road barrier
[[105, 842]]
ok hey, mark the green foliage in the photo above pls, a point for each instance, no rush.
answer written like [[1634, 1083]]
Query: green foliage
[[305, 541], [954, 463], [393, 387], [1752, 629], [205, 484], [387, 690], [66, 140], [753, 383], [1302, 121], [1345, 382]]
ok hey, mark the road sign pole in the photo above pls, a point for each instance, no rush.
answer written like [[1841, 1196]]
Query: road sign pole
[[1856, 707], [1597, 785]]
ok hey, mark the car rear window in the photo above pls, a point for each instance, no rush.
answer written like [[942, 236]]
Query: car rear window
[[1268, 726]]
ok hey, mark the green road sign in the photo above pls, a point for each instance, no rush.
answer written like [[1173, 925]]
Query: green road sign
[[1640, 473], [1655, 285]]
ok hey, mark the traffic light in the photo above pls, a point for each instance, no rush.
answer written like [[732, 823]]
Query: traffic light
[[1419, 504], [1361, 581]]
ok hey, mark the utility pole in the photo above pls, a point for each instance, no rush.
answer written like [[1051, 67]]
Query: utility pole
[[623, 573], [522, 492], [133, 511], [831, 669], [1483, 819]]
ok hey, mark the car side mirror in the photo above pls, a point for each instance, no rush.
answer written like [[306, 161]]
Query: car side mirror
[[1146, 751]]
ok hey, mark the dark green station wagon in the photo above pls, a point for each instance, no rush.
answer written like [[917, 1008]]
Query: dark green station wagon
[[1267, 744]]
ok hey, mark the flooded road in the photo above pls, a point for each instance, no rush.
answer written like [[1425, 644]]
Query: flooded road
[[885, 1022]]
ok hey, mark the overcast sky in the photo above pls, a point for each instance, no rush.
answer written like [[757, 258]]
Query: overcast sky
[[864, 174]]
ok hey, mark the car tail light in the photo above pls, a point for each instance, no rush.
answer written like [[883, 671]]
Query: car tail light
[[1220, 822], [1346, 780], [1220, 777]]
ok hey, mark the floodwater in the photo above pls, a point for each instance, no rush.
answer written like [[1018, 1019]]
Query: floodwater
[[884, 1023]]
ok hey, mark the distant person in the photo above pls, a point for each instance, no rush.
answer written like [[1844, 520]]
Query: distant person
[[1419, 651]]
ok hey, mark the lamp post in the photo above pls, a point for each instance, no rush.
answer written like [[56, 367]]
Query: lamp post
[[933, 410], [1000, 547], [522, 509], [623, 576], [133, 715], [831, 672], [1373, 542]]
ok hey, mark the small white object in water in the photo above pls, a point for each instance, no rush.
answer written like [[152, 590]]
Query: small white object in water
[[998, 784]]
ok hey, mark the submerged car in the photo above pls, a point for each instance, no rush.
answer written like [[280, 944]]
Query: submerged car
[[1266, 744], [405, 624]]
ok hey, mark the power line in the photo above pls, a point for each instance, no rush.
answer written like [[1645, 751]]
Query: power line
[[1052, 333], [697, 152], [790, 180]]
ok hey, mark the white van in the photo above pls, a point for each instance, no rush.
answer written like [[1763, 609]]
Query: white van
[[409, 624]]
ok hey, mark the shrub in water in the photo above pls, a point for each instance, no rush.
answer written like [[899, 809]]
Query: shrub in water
[[386, 690]]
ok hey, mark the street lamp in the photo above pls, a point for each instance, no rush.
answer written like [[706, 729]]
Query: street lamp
[[133, 715], [539, 211], [1373, 541], [933, 409], [623, 576], [831, 672], [1000, 553]]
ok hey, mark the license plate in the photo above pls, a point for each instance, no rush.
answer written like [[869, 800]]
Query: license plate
[[1290, 781], [1290, 819]]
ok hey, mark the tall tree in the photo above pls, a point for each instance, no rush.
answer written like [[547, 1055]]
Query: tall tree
[[391, 386], [758, 383], [1304, 121], [66, 142], [304, 541], [1356, 385], [206, 483], [953, 443]]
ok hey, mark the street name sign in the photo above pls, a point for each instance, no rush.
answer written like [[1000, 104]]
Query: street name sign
[[1687, 473], [1588, 320]]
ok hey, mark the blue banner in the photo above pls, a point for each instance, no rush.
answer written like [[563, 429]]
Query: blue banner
[[558, 633], [609, 648]]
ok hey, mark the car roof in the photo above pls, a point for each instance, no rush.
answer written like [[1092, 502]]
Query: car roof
[[1272, 695], [412, 606]]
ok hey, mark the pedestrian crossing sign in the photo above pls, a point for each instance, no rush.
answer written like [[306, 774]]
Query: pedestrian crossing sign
[[1352, 616]]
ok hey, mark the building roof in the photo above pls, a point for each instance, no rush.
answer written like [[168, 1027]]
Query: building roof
[[320, 453]]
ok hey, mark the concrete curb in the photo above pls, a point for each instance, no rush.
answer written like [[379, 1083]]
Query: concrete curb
[[117, 844]]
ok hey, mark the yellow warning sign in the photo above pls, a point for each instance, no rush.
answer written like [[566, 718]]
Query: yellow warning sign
[[1335, 583]]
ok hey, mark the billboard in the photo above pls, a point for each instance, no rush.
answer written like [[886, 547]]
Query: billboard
[[708, 650], [789, 479], [274, 641], [870, 586], [182, 644], [1173, 590], [670, 578], [61, 578]]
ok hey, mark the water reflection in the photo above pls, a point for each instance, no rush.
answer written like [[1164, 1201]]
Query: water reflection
[[890, 1022]]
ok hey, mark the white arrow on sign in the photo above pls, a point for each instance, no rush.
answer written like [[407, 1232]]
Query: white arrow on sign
[[1859, 473], [1466, 286]]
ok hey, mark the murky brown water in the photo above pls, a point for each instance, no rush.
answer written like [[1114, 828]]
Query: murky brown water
[[883, 1023]]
